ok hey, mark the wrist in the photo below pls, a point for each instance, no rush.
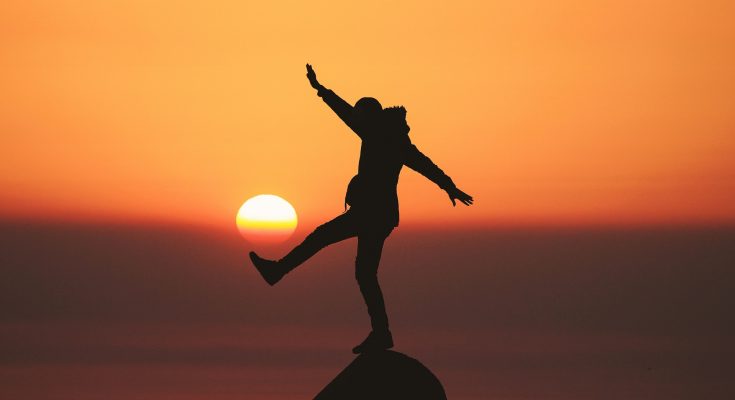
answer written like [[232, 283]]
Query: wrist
[[449, 185], [320, 90]]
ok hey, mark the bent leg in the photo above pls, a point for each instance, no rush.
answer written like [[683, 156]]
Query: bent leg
[[369, 249], [336, 230]]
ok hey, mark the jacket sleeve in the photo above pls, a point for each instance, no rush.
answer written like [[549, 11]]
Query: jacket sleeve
[[417, 161], [340, 107]]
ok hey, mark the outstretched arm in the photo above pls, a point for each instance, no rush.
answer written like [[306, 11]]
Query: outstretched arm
[[417, 161], [340, 107]]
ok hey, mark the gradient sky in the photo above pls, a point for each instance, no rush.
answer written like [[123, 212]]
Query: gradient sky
[[132, 131], [564, 112]]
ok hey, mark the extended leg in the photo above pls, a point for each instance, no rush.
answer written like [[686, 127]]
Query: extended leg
[[336, 230], [369, 249]]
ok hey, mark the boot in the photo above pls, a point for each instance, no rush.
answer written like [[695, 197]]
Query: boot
[[270, 270], [376, 341]]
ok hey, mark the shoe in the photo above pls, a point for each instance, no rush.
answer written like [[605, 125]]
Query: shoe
[[375, 341], [268, 269]]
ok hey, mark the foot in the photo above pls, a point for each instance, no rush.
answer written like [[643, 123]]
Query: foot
[[376, 341], [268, 268]]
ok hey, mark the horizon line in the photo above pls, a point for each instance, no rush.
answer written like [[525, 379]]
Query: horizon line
[[509, 224]]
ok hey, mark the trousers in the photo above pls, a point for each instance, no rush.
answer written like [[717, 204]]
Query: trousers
[[370, 240]]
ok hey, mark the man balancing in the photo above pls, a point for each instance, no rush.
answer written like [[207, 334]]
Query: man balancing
[[372, 199]]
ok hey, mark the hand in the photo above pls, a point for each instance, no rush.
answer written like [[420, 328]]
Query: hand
[[456, 194], [311, 76]]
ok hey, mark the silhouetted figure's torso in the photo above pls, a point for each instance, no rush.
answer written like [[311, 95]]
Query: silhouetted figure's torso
[[385, 148]]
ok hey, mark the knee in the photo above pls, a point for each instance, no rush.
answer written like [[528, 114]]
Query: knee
[[366, 279], [365, 275], [318, 232]]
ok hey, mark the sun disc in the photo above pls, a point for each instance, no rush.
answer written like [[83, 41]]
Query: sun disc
[[266, 218]]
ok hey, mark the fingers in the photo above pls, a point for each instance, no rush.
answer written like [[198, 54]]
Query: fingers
[[463, 197], [466, 199]]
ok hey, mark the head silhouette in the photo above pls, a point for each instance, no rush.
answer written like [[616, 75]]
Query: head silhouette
[[368, 108]]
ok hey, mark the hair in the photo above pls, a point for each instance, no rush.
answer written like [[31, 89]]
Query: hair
[[397, 112], [396, 117]]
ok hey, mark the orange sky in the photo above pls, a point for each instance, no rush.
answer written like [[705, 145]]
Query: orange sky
[[560, 112]]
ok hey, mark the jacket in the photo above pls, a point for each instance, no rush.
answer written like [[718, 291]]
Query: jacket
[[385, 149]]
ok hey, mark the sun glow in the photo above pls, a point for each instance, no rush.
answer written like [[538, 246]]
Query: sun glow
[[266, 218]]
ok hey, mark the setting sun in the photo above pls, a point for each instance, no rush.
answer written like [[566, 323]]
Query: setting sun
[[266, 218]]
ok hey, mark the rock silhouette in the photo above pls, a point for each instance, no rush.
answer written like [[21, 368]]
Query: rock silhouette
[[384, 375]]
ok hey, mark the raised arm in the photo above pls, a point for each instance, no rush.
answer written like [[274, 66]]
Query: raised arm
[[417, 161], [340, 107]]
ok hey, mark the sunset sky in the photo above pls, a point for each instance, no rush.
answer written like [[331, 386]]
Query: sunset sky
[[597, 138], [563, 112]]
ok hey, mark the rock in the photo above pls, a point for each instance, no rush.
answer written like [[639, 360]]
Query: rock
[[384, 375]]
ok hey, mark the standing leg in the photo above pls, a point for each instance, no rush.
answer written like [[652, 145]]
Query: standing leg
[[338, 229], [369, 249]]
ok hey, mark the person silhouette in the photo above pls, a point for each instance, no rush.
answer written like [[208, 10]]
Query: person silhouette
[[372, 199]]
